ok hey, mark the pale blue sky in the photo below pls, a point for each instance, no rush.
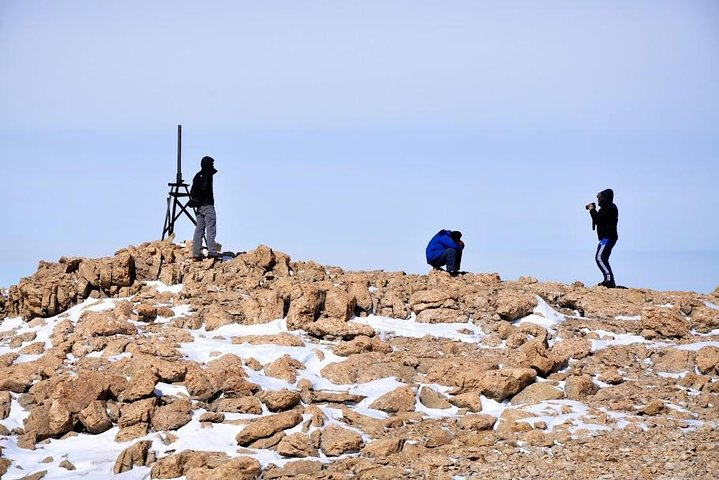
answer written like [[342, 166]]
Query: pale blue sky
[[350, 132]]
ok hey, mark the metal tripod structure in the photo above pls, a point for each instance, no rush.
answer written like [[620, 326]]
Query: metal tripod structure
[[179, 195]]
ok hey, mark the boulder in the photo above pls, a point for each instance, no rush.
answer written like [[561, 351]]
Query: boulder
[[141, 385], [301, 468], [296, 445], [537, 392], [249, 405], [361, 344], [383, 447], [102, 324], [215, 316], [339, 304], [172, 416], [336, 441], [512, 304], [430, 299], [285, 368], [335, 328], [430, 398], [133, 456], [198, 384], [579, 387], [5, 403], [505, 383], [267, 426], [181, 463], [571, 348], [280, 400], [472, 401], [401, 399], [306, 303], [94, 417], [477, 422], [534, 354], [707, 359], [665, 321], [137, 412], [239, 468]]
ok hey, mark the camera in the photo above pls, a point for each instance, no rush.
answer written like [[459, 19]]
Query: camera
[[589, 206]]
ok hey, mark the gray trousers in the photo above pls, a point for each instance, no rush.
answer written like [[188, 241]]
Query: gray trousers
[[206, 225]]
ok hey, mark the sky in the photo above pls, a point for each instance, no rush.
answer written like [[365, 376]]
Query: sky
[[350, 132]]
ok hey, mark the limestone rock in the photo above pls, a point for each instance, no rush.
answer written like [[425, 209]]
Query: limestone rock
[[5, 403], [301, 469], [339, 304], [401, 399], [666, 322], [296, 445], [361, 344], [472, 401], [337, 441], [512, 305], [506, 382], [383, 447], [95, 418], [285, 368], [477, 422], [239, 468], [432, 399], [707, 359], [334, 328], [578, 387], [133, 456], [306, 303], [537, 392], [172, 416], [267, 426], [181, 463], [279, 400], [102, 324]]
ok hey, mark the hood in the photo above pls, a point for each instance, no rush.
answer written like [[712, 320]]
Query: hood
[[208, 164], [607, 196]]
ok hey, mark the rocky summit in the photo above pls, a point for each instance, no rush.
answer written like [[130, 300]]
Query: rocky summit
[[148, 365]]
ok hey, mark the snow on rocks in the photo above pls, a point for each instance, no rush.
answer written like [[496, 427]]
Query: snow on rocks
[[148, 365]]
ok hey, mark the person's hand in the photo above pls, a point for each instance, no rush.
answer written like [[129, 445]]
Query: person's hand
[[461, 244], [591, 206]]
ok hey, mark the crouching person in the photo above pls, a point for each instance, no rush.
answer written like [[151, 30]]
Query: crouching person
[[445, 248]]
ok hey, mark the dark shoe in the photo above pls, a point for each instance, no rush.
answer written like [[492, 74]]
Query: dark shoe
[[457, 273], [196, 259], [607, 284]]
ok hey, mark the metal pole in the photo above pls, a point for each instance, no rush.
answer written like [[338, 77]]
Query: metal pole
[[179, 154]]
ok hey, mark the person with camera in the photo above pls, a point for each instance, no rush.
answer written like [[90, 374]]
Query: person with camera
[[202, 199], [445, 248], [605, 222]]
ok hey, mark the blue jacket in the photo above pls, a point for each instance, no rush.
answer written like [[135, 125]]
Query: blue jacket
[[439, 243]]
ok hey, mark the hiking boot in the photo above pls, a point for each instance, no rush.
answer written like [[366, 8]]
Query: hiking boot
[[196, 259], [607, 284]]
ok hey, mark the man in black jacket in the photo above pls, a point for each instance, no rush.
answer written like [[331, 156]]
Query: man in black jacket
[[605, 221], [203, 199]]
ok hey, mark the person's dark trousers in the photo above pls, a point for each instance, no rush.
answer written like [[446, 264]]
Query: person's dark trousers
[[604, 249], [450, 257]]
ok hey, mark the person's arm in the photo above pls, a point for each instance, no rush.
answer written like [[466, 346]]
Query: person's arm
[[447, 242]]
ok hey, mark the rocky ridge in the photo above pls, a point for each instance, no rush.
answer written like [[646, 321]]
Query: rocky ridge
[[264, 367]]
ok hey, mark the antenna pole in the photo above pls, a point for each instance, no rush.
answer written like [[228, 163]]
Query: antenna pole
[[179, 195], [179, 154]]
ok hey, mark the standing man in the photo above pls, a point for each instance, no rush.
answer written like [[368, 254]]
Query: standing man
[[203, 199], [605, 221], [445, 248]]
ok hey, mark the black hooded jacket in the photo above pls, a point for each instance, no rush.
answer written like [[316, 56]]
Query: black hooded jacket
[[201, 190], [607, 216]]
